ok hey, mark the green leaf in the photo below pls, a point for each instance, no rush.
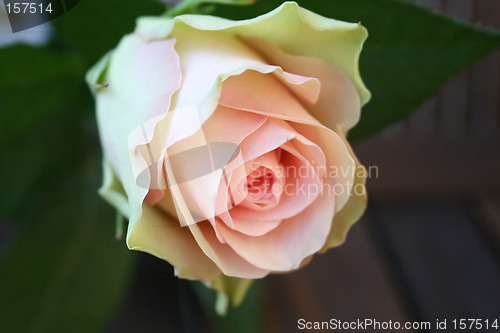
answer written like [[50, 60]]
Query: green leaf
[[64, 272], [192, 6], [35, 83], [94, 27], [410, 52]]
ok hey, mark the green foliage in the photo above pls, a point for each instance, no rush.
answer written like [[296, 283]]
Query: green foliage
[[94, 27], [33, 161], [63, 272], [35, 83], [195, 6], [410, 52]]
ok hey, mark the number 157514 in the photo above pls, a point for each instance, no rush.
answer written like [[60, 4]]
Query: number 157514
[[28, 8]]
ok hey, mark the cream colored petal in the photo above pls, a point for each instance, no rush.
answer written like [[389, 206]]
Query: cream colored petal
[[162, 236], [125, 104], [112, 190], [352, 210], [209, 57], [295, 30]]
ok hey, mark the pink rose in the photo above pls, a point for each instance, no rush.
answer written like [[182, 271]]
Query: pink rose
[[271, 100]]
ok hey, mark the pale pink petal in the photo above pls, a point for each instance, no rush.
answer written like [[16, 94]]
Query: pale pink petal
[[200, 162], [352, 210], [230, 193], [299, 119], [123, 104], [308, 152], [248, 225], [341, 166], [265, 94], [158, 155], [209, 57], [285, 247], [270, 136], [230, 263], [251, 227], [270, 163], [339, 102], [299, 191], [154, 196], [231, 125]]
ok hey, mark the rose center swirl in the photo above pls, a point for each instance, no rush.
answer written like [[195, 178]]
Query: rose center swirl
[[264, 187]]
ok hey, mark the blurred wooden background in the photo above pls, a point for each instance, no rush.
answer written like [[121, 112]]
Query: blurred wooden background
[[450, 145]]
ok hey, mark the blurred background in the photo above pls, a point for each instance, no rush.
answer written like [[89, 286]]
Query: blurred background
[[427, 248]]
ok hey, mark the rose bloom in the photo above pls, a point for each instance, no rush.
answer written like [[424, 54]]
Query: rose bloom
[[270, 98]]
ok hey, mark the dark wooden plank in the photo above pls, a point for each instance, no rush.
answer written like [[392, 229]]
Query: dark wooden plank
[[449, 269], [444, 170], [347, 283]]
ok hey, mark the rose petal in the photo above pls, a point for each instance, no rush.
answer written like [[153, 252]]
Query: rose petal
[[249, 227], [230, 263], [124, 104], [264, 94], [270, 136], [306, 34], [154, 153], [341, 167], [112, 190], [209, 57], [243, 124], [270, 161], [339, 102], [159, 234], [284, 248], [190, 164], [352, 210], [298, 193]]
